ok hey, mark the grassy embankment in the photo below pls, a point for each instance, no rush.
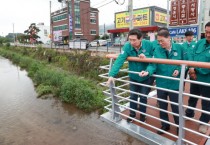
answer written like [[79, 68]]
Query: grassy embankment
[[73, 77]]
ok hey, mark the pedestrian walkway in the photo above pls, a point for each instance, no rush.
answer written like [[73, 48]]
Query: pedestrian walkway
[[118, 108], [189, 124]]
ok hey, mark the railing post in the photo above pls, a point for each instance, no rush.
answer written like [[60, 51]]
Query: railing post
[[115, 108], [107, 47], [120, 47], [181, 108]]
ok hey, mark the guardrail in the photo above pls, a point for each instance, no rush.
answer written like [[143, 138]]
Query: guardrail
[[118, 99]]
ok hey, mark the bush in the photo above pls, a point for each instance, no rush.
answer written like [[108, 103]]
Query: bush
[[7, 45], [44, 89], [85, 94]]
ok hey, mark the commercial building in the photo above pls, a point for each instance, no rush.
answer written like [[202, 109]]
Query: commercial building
[[44, 33], [205, 14], [147, 19], [75, 20]]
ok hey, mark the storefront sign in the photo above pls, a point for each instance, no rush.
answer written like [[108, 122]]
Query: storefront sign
[[193, 11], [70, 24], [184, 12], [174, 13], [160, 17], [140, 18], [56, 35], [180, 31]]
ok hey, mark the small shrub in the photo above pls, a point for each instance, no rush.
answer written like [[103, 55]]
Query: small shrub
[[44, 89], [7, 45]]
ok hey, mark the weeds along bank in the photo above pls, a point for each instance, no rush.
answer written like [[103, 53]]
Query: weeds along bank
[[73, 77]]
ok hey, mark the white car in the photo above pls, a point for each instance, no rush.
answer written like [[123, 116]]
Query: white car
[[98, 43]]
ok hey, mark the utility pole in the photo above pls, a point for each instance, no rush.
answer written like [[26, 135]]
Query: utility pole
[[13, 25], [104, 28], [200, 19], [168, 13], [70, 19], [130, 10], [51, 29]]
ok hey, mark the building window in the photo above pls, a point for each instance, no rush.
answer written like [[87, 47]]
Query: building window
[[45, 32], [77, 14], [61, 27], [59, 18], [92, 14], [92, 32], [93, 21]]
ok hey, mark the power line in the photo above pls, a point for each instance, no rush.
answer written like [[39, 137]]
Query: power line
[[98, 7], [98, 3]]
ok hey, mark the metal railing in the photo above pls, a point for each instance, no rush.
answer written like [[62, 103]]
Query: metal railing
[[118, 97]]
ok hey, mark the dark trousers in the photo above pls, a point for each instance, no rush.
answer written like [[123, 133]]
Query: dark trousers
[[163, 105], [204, 91], [142, 90]]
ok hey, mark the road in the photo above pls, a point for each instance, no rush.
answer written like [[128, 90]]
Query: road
[[115, 49]]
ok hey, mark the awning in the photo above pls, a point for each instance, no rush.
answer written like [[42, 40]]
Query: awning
[[121, 30]]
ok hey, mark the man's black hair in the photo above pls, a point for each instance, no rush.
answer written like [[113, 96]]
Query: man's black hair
[[163, 32], [207, 24], [136, 32], [189, 33]]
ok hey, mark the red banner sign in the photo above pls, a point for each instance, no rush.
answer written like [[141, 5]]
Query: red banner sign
[[192, 11], [184, 12], [174, 12]]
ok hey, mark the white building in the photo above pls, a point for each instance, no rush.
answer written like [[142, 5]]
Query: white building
[[43, 33], [205, 14]]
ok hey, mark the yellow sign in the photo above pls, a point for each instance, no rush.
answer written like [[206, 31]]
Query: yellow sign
[[160, 17], [140, 18]]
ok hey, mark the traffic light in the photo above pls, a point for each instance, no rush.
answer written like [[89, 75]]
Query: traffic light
[[60, 1]]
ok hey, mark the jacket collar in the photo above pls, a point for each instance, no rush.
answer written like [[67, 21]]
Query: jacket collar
[[204, 45], [133, 49], [173, 48]]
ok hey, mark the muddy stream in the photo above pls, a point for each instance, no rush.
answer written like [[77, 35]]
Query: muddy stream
[[28, 120]]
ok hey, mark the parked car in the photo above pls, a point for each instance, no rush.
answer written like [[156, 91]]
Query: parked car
[[98, 43]]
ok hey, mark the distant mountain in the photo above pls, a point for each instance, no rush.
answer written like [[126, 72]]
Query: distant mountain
[[107, 27]]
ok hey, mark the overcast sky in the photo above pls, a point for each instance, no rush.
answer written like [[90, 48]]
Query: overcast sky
[[22, 13]]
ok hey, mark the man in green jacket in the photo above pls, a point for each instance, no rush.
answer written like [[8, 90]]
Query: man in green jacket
[[166, 50], [134, 48], [201, 53], [189, 44]]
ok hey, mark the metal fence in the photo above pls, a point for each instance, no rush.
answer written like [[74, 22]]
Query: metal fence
[[118, 99]]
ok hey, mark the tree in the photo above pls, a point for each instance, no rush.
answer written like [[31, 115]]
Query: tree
[[3, 40], [22, 38], [97, 37], [32, 32], [10, 36], [105, 36]]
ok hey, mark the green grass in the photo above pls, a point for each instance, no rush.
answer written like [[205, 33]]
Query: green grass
[[59, 77]]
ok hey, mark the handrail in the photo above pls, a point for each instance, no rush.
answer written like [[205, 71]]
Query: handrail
[[116, 113], [164, 61]]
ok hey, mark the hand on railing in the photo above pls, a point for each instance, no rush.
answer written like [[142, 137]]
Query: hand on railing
[[143, 73], [111, 79], [142, 56], [176, 73], [192, 73]]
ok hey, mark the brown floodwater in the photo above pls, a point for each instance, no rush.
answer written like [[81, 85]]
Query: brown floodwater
[[28, 120]]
